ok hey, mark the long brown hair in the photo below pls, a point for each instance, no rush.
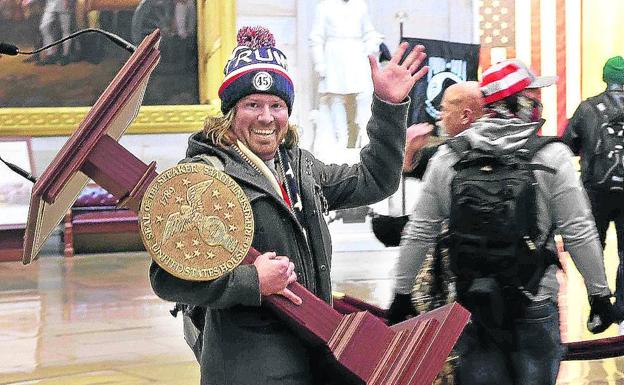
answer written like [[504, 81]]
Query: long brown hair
[[218, 129]]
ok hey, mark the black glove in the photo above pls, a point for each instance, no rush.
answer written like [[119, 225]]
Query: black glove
[[400, 309], [601, 315]]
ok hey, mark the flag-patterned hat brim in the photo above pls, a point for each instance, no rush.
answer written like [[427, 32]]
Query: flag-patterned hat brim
[[503, 80]]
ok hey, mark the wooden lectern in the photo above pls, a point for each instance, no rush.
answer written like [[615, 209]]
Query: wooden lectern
[[365, 349], [93, 152]]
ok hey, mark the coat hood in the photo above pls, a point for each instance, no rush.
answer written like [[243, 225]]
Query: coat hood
[[198, 144], [500, 136]]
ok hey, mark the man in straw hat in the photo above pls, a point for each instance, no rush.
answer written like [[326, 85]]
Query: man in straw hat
[[289, 190]]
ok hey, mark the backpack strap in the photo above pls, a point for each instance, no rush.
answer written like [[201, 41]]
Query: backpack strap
[[532, 146], [543, 258], [459, 144]]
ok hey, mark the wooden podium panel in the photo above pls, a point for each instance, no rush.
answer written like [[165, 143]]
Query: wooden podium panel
[[59, 185]]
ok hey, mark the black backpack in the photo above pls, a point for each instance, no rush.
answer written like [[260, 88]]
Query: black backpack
[[493, 226], [606, 165]]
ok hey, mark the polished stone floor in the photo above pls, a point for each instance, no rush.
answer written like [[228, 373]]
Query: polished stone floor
[[93, 319]]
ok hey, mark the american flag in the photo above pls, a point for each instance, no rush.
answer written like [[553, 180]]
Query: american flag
[[545, 35]]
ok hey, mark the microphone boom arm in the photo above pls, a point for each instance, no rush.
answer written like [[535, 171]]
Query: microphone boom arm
[[111, 36], [19, 170]]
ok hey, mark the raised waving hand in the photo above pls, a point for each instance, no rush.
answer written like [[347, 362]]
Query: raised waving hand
[[393, 82]]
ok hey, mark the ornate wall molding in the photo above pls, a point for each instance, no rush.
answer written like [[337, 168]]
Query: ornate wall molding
[[61, 121]]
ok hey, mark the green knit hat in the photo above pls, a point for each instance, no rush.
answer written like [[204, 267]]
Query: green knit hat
[[613, 71]]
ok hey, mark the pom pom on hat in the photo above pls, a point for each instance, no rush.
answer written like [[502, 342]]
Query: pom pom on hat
[[613, 71], [255, 66], [255, 37]]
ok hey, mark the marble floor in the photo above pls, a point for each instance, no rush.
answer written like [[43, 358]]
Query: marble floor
[[93, 319]]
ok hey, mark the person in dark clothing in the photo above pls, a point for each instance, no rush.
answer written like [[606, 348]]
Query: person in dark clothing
[[289, 190], [587, 134]]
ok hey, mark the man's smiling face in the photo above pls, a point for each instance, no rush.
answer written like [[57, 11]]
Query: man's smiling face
[[260, 123]]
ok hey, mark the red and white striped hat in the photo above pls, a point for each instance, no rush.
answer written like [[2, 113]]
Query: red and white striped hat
[[510, 77]]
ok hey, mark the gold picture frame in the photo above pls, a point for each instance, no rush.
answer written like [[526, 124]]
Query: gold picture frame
[[216, 31]]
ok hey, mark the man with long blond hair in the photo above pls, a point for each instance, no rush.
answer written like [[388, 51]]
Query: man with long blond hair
[[241, 342]]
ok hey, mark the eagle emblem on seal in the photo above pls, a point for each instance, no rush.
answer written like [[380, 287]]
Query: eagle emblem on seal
[[191, 216], [190, 213]]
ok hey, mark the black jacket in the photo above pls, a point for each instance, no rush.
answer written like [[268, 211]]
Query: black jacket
[[581, 133]]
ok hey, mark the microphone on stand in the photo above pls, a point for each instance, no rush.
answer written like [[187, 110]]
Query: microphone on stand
[[19, 170], [12, 50]]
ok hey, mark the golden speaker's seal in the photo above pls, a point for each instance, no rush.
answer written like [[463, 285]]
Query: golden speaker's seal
[[196, 222]]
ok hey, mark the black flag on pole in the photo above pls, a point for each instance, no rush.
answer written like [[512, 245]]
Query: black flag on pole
[[449, 63]]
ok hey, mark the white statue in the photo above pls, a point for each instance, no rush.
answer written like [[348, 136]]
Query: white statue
[[342, 37]]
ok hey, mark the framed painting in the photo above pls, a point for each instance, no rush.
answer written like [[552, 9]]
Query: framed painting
[[48, 94]]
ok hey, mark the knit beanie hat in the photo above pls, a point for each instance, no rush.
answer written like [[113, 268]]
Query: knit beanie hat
[[255, 66], [613, 71]]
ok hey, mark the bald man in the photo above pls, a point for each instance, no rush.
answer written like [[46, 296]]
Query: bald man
[[462, 105]]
